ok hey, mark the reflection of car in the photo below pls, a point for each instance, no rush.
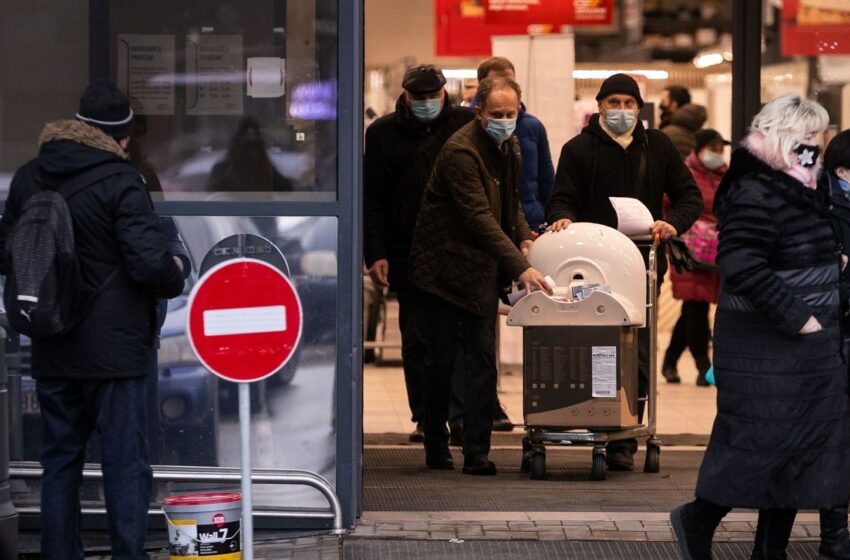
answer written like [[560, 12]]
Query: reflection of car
[[192, 174], [310, 246]]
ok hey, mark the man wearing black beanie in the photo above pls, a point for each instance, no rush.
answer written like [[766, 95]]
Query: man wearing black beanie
[[616, 156], [91, 376]]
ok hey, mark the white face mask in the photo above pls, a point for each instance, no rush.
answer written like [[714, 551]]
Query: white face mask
[[711, 160], [620, 122]]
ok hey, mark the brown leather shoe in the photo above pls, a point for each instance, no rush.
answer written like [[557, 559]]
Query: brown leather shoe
[[439, 458]]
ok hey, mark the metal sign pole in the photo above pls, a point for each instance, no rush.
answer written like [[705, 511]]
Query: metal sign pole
[[245, 444]]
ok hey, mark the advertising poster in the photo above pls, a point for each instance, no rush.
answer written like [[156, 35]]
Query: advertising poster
[[215, 75], [146, 72], [554, 12], [815, 27]]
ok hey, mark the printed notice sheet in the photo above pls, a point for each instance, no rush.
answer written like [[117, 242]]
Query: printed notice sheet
[[633, 217], [604, 371]]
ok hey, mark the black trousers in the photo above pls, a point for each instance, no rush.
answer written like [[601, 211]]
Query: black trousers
[[447, 324], [691, 331], [413, 350]]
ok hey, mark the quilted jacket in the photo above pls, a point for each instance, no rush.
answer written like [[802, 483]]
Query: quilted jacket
[[465, 244]]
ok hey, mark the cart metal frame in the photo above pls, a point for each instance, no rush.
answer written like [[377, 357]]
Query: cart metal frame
[[537, 437]]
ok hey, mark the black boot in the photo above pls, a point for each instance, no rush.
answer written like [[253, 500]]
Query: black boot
[[438, 456], [772, 534], [694, 524], [834, 538], [703, 365]]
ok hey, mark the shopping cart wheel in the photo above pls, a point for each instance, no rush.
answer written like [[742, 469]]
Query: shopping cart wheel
[[527, 455], [599, 470], [538, 464], [653, 456]]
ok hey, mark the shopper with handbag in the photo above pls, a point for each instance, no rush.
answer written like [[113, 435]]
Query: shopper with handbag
[[698, 288]]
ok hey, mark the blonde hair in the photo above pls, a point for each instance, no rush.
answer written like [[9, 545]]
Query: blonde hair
[[786, 120]]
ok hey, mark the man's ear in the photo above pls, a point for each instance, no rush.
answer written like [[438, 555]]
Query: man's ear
[[124, 143], [477, 111]]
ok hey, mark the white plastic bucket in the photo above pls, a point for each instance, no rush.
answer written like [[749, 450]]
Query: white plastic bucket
[[206, 525]]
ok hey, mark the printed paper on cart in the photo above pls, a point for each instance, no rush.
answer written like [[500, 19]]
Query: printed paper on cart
[[633, 217]]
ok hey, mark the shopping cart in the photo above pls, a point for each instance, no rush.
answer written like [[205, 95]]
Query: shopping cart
[[580, 345]]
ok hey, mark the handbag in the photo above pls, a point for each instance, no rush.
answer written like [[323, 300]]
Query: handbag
[[701, 239]]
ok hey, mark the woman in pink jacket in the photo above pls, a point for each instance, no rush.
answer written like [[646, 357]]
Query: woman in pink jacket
[[699, 288]]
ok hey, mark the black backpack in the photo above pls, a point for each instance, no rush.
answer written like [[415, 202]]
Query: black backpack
[[44, 293]]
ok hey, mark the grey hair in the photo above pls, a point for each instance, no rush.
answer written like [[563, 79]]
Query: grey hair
[[489, 85], [786, 120]]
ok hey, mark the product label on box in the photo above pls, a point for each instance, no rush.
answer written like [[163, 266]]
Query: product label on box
[[604, 367]]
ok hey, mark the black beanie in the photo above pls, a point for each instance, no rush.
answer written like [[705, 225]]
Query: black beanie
[[620, 83], [105, 106]]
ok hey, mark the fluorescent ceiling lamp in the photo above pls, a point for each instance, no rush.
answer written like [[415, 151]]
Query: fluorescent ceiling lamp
[[603, 74], [461, 74]]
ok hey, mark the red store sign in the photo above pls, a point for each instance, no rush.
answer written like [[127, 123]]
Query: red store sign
[[556, 12], [464, 27], [815, 27]]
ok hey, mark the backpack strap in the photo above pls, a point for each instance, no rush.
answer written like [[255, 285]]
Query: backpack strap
[[91, 176]]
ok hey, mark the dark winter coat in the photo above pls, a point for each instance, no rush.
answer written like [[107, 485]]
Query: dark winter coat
[[781, 438], [839, 210], [115, 230], [537, 171], [593, 167], [700, 285], [465, 246], [400, 152], [683, 126]]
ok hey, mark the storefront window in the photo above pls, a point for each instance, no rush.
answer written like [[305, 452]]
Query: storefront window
[[234, 100]]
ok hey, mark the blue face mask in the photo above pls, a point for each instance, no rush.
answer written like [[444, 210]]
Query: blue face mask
[[620, 122], [500, 129], [426, 110], [845, 186]]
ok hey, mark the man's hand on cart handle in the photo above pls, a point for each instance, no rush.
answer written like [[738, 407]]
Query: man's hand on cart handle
[[378, 272], [560, 224], [663, 230], [525, 247], [533, 280]]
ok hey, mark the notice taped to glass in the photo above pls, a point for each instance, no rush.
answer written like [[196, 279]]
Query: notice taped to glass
[[215, 75], [146, 72], [604, 368]]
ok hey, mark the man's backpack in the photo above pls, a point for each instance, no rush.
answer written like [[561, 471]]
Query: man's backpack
[[44, 293]]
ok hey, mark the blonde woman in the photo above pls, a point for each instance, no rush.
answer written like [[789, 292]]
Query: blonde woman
[[781, 438]]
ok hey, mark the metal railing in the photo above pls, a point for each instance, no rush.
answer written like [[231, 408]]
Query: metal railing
[[32, 470]]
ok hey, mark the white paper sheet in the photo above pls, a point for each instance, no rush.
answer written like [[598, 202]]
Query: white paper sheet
[[633, 217]]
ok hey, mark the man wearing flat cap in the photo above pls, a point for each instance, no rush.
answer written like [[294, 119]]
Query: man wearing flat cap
[[614, 155], [401, 148]]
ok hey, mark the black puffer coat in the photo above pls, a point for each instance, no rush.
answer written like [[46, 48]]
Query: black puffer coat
[[400, 152], [115, 229], [781, 438]]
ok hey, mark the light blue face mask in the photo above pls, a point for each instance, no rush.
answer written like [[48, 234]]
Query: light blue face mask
[[620, 122], [844, 185], [426, 110], [500, 129]]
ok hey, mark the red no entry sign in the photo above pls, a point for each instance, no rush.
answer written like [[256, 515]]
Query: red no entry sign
[[244, 320]]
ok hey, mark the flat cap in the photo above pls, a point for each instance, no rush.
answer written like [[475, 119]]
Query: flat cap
[[422, 79]]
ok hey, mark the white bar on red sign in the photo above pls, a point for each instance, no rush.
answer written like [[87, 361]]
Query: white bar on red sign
[[244, 320]]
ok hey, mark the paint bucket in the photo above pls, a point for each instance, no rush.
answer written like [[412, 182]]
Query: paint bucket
[[206, 525]]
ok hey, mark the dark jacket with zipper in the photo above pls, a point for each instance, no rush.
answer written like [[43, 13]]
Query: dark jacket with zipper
[[839, 209], [400, 152], [781, 437], [122, 252], [593, 167], [465, 246]]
